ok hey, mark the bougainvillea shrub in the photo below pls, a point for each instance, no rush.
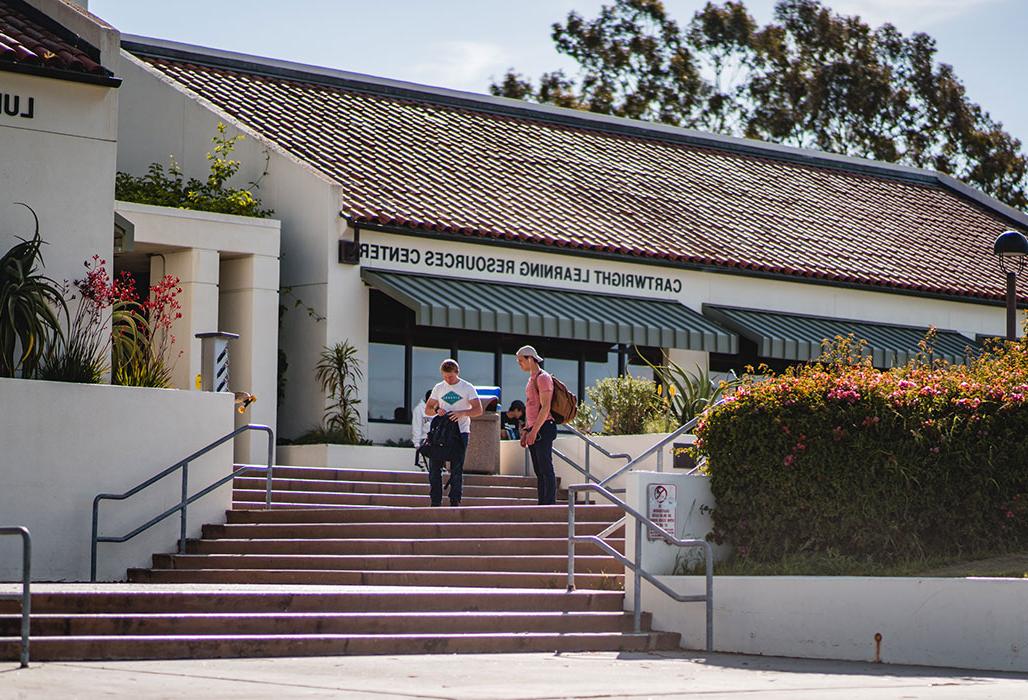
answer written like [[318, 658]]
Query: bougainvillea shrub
[[837, 457]]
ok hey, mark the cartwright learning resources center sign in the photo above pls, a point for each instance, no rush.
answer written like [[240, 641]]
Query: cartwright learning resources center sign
[[453, 264]]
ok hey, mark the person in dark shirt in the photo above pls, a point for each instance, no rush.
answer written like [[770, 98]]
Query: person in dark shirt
[[512, 420]]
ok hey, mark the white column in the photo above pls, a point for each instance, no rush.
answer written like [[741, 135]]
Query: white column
[[197, 270], [248, 305], [692, 361]]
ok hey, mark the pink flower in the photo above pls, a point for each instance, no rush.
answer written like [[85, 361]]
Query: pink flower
[[789, 459]]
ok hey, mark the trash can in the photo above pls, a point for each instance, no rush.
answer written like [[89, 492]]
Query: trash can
[[483, 455]]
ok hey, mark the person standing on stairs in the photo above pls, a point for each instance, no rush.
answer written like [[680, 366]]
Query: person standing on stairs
[[540, 429], [458, 400]]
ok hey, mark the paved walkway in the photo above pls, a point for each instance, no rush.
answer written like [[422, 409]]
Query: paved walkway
[[593, 676]]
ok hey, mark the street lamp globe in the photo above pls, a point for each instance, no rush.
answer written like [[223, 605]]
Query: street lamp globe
[[1011, 247]]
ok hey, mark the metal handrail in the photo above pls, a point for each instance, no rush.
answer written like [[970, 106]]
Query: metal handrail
[[26, 582], [659, 445], [636, 566], [183, 505]]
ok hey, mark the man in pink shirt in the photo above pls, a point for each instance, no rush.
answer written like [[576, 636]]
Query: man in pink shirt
[[540, 430]]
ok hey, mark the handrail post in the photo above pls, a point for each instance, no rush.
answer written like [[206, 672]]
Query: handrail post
[[571, 541], [26, 587], [92, 549], [588, 478], [637, 612], [182, 514], [660, 459], [708, 553], [26, 594], [271, 466]]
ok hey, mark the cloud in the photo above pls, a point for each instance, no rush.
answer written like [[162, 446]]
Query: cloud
[[462, 65], [909, 15]]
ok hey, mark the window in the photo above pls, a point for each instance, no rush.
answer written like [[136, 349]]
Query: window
[[425, 370], [385, 382]]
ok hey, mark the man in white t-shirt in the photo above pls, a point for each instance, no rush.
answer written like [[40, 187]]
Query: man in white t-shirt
[[457, 399]]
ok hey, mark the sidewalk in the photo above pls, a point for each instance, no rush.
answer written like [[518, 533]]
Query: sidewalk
[[669, 676]]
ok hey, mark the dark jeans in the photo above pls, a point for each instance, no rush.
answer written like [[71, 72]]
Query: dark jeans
[[435, 476], [542, 460]]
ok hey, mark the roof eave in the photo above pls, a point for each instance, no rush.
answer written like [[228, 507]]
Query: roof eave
[[109, 81]]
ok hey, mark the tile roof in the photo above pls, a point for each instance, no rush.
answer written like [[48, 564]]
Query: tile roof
[[29, 38], [406, 158]]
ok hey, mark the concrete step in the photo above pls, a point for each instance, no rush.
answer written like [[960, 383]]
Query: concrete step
[[103, 647], [399, 476], [369, 499], [587, 564], [150, 624], [386, 530], [526, 513], [381, 487], [459, 579], [281, 599], [505, 546]]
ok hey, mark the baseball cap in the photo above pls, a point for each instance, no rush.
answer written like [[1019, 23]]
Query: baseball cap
[[528, 351]]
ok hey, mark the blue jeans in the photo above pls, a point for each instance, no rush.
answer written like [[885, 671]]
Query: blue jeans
[[435, 476], [542, 460]]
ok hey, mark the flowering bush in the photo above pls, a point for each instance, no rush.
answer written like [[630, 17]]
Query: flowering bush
[[80, 355], [143, 338], [836, 457]]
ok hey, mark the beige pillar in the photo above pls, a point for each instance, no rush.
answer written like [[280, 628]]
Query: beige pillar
[[692, 361], [197, 270], [248, 305]]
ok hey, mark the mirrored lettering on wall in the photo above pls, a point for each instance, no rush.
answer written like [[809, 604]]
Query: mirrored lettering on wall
[[522, 270], [12, 105]]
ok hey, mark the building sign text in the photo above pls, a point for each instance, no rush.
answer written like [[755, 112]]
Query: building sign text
[[523, 269]]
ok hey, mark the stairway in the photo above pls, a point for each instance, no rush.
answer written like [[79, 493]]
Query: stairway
[[391, 575]]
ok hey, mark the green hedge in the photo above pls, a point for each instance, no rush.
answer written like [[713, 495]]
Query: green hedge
[[842, 459]]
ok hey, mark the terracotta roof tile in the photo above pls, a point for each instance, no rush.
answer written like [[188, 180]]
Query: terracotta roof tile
[[28, 37], [419, 163]]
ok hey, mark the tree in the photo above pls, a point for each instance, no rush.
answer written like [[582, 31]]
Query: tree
[[809, 78]]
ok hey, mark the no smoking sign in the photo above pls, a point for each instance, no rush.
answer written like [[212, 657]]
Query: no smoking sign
[[662, 502]]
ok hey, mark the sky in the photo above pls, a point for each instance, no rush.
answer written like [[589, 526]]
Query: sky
[[465, 44]]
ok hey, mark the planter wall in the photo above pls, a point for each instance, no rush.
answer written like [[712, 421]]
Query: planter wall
[[64, 443]]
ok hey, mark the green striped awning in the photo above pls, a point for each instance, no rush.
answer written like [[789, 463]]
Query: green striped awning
[[554, 313], [795, 337]]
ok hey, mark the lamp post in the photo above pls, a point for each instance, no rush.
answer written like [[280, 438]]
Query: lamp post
[[1011, 247]]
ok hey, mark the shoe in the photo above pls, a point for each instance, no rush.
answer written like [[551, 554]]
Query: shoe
[[436, 505], [454, 504]]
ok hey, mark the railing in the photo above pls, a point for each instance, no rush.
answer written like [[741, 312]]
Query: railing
[[26, 579], [590, 444], [183, 505], [636, 566], [658, 447]]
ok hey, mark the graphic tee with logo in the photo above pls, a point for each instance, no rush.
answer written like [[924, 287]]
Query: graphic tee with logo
[[456, 397]]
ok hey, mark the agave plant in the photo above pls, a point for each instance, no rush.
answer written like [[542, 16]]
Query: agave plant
[[30, 304], [685, 394]]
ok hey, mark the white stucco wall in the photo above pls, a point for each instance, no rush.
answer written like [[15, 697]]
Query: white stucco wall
[[229, 267], [65, 443], [962, 623], [61, 164], [158, 119], [348, 457]]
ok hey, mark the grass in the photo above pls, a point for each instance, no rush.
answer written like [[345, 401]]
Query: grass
[[998, 564]]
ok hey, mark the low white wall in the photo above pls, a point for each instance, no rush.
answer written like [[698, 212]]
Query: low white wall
[[347, 457], [64, 443], [962, 623]]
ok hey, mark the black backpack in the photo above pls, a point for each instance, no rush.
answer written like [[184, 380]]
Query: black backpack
[[443, 439]]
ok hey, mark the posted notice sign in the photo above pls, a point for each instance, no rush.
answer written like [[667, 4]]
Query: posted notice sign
[[661, 505]]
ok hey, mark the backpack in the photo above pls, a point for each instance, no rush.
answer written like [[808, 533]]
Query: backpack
[[563, 404], [443, 442]]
